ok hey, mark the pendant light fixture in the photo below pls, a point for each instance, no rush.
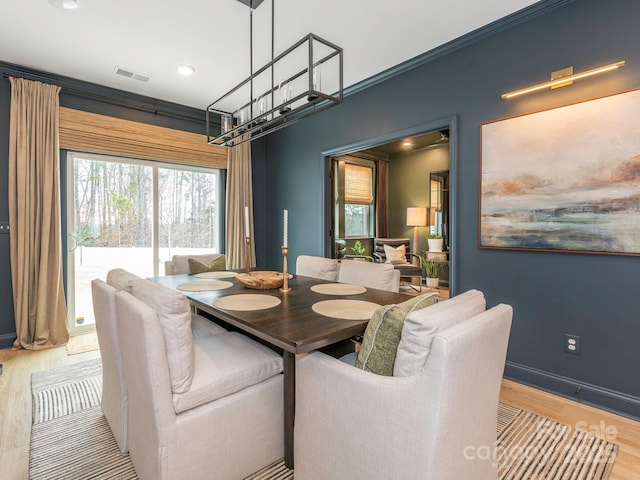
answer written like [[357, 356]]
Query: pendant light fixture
[[304, 79]]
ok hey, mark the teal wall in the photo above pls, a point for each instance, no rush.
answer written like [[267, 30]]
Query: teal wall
[[552, 293]]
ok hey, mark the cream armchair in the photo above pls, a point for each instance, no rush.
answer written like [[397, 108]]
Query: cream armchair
[[430, 425]]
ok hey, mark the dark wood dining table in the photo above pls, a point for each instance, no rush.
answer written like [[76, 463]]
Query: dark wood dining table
[[292, 326]]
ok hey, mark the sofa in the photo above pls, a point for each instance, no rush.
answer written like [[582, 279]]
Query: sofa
[[180, 263]]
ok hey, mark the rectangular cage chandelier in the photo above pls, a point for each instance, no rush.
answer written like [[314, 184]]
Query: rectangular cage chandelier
[[306, 78]]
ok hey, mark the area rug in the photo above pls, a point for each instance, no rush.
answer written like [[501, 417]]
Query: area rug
[[70, 438], [87, 342]]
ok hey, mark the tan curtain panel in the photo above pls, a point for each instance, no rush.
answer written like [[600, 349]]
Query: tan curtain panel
[[239, 196], [357, 180], [90, 132], [34, 216], [382, 220]]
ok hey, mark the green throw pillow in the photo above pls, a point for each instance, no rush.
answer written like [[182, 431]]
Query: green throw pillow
[[216, 265], [382, 336]]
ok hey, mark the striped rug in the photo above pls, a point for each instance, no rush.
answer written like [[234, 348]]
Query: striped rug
[[70, 438], [65, 390], [531, 446]]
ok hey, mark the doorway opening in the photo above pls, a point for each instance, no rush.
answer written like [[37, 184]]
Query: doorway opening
[[405, 166]]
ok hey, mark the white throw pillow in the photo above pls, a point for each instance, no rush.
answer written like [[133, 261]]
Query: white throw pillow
[[174, 315], [395, 255], [422, 325]]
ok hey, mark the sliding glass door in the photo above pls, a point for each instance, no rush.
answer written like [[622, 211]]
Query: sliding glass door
[[124, 213]]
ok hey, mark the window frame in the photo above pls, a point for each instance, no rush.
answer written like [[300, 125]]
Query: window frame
[[155, 166], [339, 200]]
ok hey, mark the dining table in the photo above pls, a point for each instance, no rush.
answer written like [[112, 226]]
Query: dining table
[[313, 314]]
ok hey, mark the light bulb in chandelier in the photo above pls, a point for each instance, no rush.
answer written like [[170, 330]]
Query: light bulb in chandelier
[[285, 93], [226, 123], [263, 107], [316, 83]]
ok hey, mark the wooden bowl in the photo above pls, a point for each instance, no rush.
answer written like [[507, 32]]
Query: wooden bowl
[[261, 279]]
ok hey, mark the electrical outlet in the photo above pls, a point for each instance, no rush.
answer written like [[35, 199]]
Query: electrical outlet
[[572, 344], [4, 227]]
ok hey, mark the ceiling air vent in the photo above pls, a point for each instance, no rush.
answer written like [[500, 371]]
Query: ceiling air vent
[[123, 72]]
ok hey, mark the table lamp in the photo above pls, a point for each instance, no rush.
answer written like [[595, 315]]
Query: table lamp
[[416, 217]]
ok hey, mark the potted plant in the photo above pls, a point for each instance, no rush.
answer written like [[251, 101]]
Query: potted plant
[[432, 270], [358, 249], [435, 242]]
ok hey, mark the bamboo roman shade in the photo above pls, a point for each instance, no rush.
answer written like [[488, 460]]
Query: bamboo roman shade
[[94, 133], [357, 185]]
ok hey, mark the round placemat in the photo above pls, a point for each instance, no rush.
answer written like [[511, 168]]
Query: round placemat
[[247, 302], [204, 286], [346, 309], [338, 289], [220, 274]]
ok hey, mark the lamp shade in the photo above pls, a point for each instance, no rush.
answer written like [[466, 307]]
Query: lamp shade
[[416, 216]]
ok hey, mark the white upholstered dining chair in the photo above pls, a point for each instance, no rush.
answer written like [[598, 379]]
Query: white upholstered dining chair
[[199, 407], [115, 402], [435, 418], [382, 276], [317, 267]]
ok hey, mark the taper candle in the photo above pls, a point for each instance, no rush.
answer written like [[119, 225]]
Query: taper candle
[[246, 222], [286, 228]]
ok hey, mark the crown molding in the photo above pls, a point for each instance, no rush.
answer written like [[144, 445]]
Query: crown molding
[[528, 13]]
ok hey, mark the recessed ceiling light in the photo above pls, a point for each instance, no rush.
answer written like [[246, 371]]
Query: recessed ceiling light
[[186, 70], [407, 144], [65, 4]]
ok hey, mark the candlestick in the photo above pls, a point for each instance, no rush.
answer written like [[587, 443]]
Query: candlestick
[[248, 253], [286, 228], [246, 222], [285, 274]]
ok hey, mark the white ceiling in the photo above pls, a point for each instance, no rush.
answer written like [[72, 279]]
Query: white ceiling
[[152, 37]]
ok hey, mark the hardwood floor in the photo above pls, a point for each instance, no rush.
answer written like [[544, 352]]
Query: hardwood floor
[[614, 428], [15, 403], [15, 413]]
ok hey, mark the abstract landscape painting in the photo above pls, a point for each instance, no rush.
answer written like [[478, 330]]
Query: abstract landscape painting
[[564, 179]]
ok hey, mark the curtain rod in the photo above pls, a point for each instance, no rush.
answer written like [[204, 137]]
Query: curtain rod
[[106, 99]]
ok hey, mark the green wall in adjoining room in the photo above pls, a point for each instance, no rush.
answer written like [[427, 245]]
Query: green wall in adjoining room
[[409, 187]]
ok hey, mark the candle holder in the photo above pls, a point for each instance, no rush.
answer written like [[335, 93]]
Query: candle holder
[[248, 253], [285, 274]]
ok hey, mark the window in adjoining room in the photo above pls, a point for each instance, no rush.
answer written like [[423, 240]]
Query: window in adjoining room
[[355, 197]]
